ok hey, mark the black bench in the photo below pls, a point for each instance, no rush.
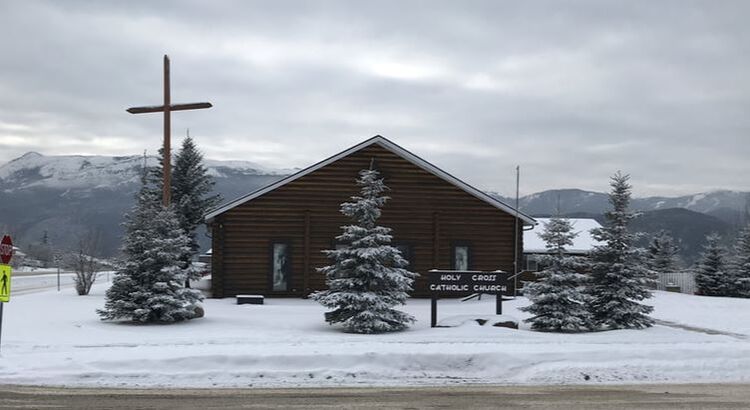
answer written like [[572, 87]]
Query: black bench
[[250, 299]]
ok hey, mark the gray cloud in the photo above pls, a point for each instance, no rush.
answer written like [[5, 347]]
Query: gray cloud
[[571, 92]]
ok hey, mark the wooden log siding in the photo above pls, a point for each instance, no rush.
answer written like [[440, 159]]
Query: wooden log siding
[[422, 205]]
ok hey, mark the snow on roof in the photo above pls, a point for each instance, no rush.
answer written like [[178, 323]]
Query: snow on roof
[[583, 243], [396, 149]]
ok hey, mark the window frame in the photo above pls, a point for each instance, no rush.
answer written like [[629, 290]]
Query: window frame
[[290, 266], [469, 254], [532, 259]]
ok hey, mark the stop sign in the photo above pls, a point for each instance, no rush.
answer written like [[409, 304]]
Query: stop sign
[[6, 249]]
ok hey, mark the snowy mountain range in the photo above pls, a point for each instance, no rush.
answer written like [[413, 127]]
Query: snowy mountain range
[[688, 218], [34, 170], [729, 206], [66, 196]]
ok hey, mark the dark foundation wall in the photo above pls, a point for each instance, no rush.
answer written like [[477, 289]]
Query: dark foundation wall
[[426, 213]]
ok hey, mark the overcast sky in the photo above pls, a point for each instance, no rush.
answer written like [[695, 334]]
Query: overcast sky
[[570, 91]]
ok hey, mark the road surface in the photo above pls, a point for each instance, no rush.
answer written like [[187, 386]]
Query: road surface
[[39, 281], [702, 396]]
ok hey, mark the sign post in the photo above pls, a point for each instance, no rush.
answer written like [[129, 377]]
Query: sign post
[[461, 283], [6, 250], [6, 253], [5, 271], [58, 260]]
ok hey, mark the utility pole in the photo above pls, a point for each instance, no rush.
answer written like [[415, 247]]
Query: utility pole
[[516, 234]]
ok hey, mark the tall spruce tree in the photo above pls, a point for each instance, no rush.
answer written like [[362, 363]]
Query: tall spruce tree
[[192, 196], [367, 277], [557, 301], [739, 268], [661, 254], [710, 270], [149, 285], [619, 281]]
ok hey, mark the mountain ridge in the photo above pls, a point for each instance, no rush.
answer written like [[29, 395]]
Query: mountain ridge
[[62, 197], [572, 200], [67, 195]]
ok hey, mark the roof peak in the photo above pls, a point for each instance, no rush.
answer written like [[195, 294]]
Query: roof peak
[[396, 149]]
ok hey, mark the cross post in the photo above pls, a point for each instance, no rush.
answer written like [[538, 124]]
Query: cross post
[[167, 109]]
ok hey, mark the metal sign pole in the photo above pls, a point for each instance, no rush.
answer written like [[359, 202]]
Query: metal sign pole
[[1, 323], [433, 311], [516, 235], [6, 254]]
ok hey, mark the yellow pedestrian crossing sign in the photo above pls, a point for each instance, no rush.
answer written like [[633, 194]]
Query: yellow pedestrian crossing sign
[[5, 271]]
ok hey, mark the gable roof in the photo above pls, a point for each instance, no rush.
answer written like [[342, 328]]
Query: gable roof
[[390, 146]]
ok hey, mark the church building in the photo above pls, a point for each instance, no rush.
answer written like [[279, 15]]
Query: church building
[[270, 241]]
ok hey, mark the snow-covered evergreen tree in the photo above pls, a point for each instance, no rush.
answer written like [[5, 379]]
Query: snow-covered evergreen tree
[[661, 254], [192, 196], [557, 302], [710, 270], [619, 281], [154, 176], [367, 277], [149, 285], [739, 268]]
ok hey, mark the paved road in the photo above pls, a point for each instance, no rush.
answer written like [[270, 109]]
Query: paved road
[[718, 396], [33, 282], [39, 272]]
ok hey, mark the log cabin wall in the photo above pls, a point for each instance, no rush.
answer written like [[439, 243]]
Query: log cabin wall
[[426, 213]]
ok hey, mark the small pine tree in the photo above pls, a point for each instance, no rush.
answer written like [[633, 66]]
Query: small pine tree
[[191, 193], [367, 277], [710, 273], [661, 254], [149, 286], [739, 282], [557, 300], [619, 281]]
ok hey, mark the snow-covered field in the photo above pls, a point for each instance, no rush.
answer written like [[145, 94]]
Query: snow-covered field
[[53, 338], [25, 283]]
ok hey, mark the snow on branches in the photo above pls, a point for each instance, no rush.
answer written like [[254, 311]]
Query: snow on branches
[[557, 301], [739, 266], [619, 281], [149, 285], [710, 271], [367, 276]]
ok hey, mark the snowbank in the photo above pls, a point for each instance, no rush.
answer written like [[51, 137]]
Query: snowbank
[[56, 338]]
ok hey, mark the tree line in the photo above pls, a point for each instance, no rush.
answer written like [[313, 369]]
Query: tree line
[[605, 289], [368, 277]]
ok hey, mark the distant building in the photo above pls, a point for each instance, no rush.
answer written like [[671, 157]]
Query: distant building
[[205, 257], [19, 258], [270, 241], [534, 246]]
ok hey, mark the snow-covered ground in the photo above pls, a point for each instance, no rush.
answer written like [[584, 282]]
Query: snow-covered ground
[[53, 338]]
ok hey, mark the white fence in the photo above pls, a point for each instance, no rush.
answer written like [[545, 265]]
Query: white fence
[[684, 280]]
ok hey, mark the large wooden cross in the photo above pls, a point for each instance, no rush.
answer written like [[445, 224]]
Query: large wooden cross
[[167, 108]]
